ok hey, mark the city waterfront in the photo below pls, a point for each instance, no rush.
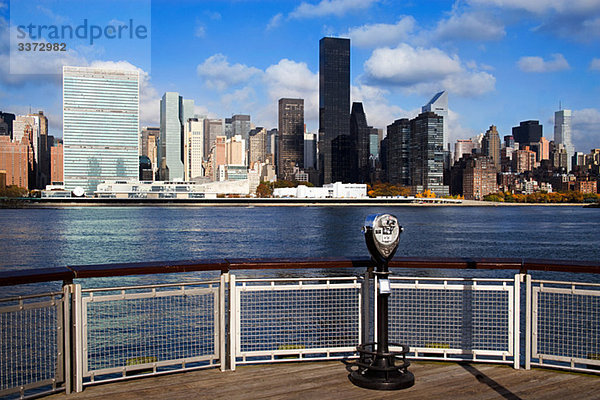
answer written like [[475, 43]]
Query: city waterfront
[[482, 313], [41, 238]]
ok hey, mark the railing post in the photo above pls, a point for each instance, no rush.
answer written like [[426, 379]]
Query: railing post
[[223, 322], [517, 321], [233, 316], [366, 317], [77, 338], [66, 332], [528, 311], [375, 310]]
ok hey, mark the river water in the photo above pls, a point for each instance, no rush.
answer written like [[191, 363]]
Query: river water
[[38, 238]]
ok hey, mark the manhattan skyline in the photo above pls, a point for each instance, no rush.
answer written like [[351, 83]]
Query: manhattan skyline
[[500, 62]]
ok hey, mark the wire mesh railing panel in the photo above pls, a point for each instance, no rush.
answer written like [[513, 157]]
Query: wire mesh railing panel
[[30, 343], [452, 318], [150, 329], [298, 318], [567, 325]]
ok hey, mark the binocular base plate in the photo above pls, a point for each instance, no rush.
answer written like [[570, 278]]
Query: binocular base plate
[[379, 380]]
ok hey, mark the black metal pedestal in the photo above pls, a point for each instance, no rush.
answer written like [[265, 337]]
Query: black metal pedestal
[[379, 371], [378, 367]]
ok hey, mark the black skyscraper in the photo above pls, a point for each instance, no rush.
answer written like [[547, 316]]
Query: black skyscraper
[[527, 132], [291, 137], [398, 152], [360, 133], [336, 146]]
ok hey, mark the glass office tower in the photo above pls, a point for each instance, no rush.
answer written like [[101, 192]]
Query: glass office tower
[[336, 148], [100, 126]]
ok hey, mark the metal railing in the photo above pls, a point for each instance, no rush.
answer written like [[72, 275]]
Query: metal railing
[[31, 343], [294, 319], [147, 330], [563, 325], [456, 319], [67, 340]]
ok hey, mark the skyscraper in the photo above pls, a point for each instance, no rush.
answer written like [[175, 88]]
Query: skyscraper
[[491, 146], [398, 151], [462, 147], [273, 146], [56, 162], [427, 154], [360, 133], [14, 161], [28, 126], [6, 124], [310, 150], [257, 145], [291, 137], [212, 129], [174, 113], [149, 146], [240, 125], [100, 126], [439, 105], [194, 148], [335, 145], [527, 132], [43, 154], [562, 132]]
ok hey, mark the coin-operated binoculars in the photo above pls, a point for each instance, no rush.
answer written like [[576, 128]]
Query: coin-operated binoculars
[[378, 367]]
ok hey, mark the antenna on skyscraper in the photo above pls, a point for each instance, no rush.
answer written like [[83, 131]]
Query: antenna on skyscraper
[[559, 106]]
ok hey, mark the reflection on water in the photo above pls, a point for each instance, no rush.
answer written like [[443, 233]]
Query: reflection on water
[[39, 238]]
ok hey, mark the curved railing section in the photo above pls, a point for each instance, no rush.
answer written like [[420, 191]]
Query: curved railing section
[[68, 339]]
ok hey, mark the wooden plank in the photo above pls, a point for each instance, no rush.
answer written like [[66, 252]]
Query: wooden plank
[[330, 380]]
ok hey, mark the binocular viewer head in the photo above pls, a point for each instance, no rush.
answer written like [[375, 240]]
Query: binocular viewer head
[[382, 234]]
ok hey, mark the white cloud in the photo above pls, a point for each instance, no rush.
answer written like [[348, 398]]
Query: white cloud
[[455, 129], [586, 129], [574, 20], [469, 26], [22, 67], [595, 64], [55, 18], [203, 110], [291, 79], [376, 35], [214, 15], [543, 6], [200, 31], [219, 74], [324, 8], [424, 71], [538, 64], [275, 21], [379, 112], [406, 65], [241, 98]]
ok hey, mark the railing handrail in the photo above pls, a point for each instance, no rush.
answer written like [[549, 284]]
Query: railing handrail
[[68, 273]]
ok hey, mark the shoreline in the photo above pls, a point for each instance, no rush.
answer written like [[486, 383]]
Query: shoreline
[[263, 202]]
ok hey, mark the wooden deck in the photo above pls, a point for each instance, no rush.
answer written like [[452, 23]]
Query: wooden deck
[[329, 380]]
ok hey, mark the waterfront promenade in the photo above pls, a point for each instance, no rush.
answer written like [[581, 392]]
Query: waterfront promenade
[[264, 202], [328, 380]]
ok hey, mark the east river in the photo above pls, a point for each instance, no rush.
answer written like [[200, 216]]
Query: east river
[[38, 238]]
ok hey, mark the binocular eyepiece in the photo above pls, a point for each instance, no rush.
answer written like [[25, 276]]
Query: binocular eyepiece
[[382, 234]]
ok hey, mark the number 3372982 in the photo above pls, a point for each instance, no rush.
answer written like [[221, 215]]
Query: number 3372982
[[35, 46]]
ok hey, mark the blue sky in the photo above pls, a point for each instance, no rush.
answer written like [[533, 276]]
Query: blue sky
[[501, 61]]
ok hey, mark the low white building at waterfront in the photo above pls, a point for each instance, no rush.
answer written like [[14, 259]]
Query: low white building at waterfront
[[336, 190], [170, 189]]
